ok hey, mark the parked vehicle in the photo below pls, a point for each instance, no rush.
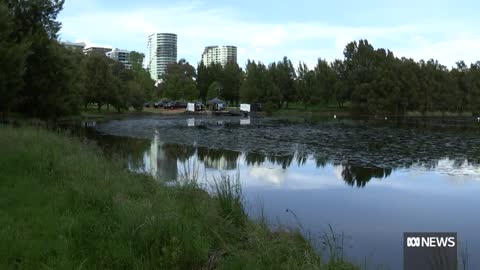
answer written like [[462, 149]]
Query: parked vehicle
[[175, 105], [181, 105], [199, 107], [219, 106], [157, 105], [146, 104], [161, 104], [170, 105]]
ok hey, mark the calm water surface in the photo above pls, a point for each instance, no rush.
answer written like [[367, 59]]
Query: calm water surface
[[371, 179]]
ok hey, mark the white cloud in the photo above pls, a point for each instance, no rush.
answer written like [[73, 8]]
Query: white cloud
[[198, 27]]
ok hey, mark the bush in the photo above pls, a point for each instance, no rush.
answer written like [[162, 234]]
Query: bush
[[269, 107]]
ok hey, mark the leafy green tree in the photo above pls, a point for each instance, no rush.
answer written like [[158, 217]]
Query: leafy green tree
[[142, 76], [179, 81], [12, 62], [340, 93], [50, 83], [326, 79], [100, 85], [474, 93], [136, 95], [307, 87], [214, 91], [249, 91], [258, 85], [463, 85], [119, 95], [283, 76], [203, 81], [231, 82], [34, 16]]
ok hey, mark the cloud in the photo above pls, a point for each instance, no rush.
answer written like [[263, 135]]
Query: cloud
[[269, 176], [198, 26]]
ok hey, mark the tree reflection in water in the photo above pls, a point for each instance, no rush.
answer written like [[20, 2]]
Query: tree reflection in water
[[360, 176], [364, 150]]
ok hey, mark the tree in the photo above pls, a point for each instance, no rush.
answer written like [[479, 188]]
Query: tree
[[50, 83], [12, 62], [100, 85], [340, 89], [231, 82], [214, 91], [258, 85], [141, 75], [283, 75], [326, 79], [30, 17], [179, 81], [474, 94], [203, 81], [307, 85]]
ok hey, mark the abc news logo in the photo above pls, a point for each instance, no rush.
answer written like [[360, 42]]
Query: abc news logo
[[430, 251], [431, 242]]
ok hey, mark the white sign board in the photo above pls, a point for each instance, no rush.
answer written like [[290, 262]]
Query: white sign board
[[191, 107], [245, 107]]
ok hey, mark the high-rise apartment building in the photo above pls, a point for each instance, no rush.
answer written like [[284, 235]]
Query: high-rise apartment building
[[219, 54], [122, 56], [162, 50]]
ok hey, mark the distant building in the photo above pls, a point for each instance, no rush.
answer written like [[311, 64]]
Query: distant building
[[74, 45], [219, 55], [122, 56], [99, 50], [162, 51]]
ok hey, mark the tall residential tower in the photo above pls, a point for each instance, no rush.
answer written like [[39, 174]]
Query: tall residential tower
[[162, 50], [219, 54]]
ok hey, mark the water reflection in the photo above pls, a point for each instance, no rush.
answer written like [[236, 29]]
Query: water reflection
[[341, 142], [164, 161], [218, 159], [360, 176]]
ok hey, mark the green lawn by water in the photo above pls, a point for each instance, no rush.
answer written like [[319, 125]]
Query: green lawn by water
[[63, 205]]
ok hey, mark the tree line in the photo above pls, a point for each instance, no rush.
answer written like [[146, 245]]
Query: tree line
[[368, 80], [41, 78]]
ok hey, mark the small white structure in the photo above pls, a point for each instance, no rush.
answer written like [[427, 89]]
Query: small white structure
[[191, 107], [245, 107], [245, 121], [191, 122]]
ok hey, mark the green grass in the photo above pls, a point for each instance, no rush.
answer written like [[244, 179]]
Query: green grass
[[63, 205], [440, 114], [298, 109]]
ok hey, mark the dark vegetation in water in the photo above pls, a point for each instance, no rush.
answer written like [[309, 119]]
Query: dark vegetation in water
[[365, 149]]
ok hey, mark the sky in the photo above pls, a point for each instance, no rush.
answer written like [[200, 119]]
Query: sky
[[267, 30]]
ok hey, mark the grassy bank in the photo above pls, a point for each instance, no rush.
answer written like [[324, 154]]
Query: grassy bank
[[92, 113], [63, 205]]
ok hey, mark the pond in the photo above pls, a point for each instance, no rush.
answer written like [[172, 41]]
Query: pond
[[371, 179]]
